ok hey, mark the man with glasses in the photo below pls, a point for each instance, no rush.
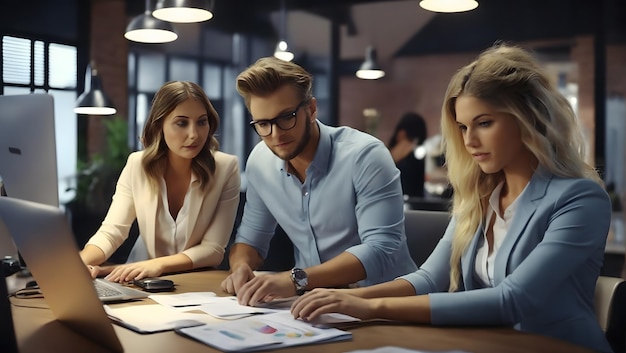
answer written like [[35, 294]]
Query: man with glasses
[[334, 191]]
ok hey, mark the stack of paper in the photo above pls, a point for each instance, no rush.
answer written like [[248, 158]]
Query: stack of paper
[[153, 318], [227, 308]]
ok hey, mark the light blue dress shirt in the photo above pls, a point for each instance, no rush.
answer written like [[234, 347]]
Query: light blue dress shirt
[[545, 271], [350, 201]]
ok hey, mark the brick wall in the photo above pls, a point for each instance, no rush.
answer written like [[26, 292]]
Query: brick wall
[[109, 53], [419, 84]]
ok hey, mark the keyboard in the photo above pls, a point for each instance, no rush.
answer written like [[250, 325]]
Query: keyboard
[[106, 291]]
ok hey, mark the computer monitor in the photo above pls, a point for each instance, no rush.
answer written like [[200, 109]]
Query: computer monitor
[[28, 160]]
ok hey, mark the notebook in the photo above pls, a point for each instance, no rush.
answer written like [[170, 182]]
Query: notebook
[[43, 237]]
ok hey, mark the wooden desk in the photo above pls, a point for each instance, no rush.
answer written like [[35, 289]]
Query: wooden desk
[[37, 331]]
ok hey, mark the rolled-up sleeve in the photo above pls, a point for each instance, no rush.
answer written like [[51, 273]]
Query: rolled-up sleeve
[[379, 213]]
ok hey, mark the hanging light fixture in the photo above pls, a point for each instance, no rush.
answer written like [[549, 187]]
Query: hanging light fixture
[[369, 69], [145, 28], [282, 51], [93, 101], [449, 5], [184, 11]]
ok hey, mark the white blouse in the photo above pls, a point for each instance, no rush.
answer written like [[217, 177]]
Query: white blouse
[[485, 261], [171, 234]]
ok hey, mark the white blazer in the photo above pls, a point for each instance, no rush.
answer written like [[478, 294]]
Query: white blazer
[[212, 212]]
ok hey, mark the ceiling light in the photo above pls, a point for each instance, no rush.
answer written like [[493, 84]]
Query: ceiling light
[[449, 5], [184, 11], [93, 101], [282, 53], [281, 50], [369, 69], [145, 28]]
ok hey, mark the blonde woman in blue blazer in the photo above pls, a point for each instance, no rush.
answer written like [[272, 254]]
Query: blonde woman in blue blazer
[[529, 222], [182, 191]]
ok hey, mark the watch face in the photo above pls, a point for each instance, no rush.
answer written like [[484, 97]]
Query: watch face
[[299, 274], [299, 277]]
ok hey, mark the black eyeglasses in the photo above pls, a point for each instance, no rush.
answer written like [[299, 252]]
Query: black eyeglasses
[[284, 122]]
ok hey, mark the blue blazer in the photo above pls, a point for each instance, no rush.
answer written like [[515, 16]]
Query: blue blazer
[[545, 270]]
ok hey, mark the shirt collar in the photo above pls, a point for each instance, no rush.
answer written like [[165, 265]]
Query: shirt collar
[[321, 160]]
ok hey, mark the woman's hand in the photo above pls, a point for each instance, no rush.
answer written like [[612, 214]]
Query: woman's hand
[[322, 301], [136, 270], [99, 271]]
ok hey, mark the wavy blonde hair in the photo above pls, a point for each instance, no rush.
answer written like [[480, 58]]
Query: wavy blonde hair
[[511, 80], [154, 160]]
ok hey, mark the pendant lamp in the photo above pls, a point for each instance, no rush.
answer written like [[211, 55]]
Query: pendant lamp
[[93, 101], [282, 51], [370, 70], [145, 28], [449, 5], [184, 11]]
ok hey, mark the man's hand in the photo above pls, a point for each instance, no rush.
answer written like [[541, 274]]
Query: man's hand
[[265, 288], [240, 276]]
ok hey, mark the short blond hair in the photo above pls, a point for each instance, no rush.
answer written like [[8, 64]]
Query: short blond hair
[[269, 74]]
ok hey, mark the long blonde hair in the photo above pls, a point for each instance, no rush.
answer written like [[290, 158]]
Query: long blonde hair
[[510, 79], [154, 160]]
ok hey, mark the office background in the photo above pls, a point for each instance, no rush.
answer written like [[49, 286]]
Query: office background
[[47, 45]]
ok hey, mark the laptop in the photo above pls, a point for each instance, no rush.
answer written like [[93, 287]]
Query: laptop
[[43, 237]]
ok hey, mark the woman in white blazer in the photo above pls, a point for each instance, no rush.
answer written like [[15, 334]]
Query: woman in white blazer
[[529, 222], [182, 191]]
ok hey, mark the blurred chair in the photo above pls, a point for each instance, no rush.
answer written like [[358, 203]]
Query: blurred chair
[[610, 303], [280, 256], [427, 204], [423, 231]]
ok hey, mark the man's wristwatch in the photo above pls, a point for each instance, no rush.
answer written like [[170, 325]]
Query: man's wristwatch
[[300, 280]]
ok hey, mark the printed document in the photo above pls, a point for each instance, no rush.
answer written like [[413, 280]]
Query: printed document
[[262, 332]]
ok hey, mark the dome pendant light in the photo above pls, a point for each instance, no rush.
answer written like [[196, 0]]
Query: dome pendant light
[[146, 28], [93, 101], [369, 69], [184, 11], [282, 52], [449, 5]]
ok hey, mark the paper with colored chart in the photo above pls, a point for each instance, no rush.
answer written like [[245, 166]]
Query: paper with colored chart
[[262, 332]]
